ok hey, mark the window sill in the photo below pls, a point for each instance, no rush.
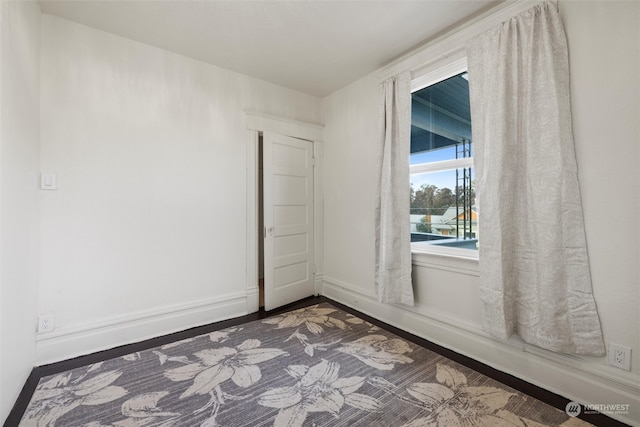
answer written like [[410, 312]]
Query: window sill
[[424, 248], [452, 259]]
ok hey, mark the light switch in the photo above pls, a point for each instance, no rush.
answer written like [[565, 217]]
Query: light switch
[[48, 181]]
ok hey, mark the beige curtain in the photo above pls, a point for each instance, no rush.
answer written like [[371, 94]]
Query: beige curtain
[[393, 235], [534, 267]]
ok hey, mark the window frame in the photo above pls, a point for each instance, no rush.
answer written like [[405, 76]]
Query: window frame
[[430, 78]]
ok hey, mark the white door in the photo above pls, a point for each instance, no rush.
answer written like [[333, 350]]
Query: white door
[[288, 220]]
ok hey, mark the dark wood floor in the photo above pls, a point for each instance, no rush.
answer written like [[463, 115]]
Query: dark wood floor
[[516, 383]]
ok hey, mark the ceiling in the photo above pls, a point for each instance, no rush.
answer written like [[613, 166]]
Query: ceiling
[[311, 46]]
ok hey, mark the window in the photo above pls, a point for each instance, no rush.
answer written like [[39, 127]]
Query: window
[[444, 215]]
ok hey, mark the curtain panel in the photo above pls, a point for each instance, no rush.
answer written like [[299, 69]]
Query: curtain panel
[[392, 233], [534, 266]]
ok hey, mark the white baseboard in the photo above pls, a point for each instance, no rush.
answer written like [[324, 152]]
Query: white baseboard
[[112, 332], [319, 280], [570, 376]]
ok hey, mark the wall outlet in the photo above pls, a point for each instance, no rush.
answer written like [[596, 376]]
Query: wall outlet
[[620, 356], [48, 181], [45, 323]]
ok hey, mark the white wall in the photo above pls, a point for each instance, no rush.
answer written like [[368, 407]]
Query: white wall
[[604, 47], [146, 232], [604, 57], [19, 165], [349, 183]]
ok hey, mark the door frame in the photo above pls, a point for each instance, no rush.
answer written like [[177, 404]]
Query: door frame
[[257, 122]]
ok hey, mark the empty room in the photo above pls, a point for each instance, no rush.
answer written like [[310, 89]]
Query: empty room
[[319, 213]]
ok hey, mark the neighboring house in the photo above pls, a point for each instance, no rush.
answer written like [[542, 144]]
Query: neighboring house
[[453, 220], [448, 223]]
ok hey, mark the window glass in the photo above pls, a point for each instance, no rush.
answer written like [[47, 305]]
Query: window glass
[[438, 204], [443, 205]]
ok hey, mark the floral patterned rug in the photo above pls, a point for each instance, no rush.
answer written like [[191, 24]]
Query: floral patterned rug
[[317, 366]]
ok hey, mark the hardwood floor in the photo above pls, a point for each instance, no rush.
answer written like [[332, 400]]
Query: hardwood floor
[[516, 383]]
